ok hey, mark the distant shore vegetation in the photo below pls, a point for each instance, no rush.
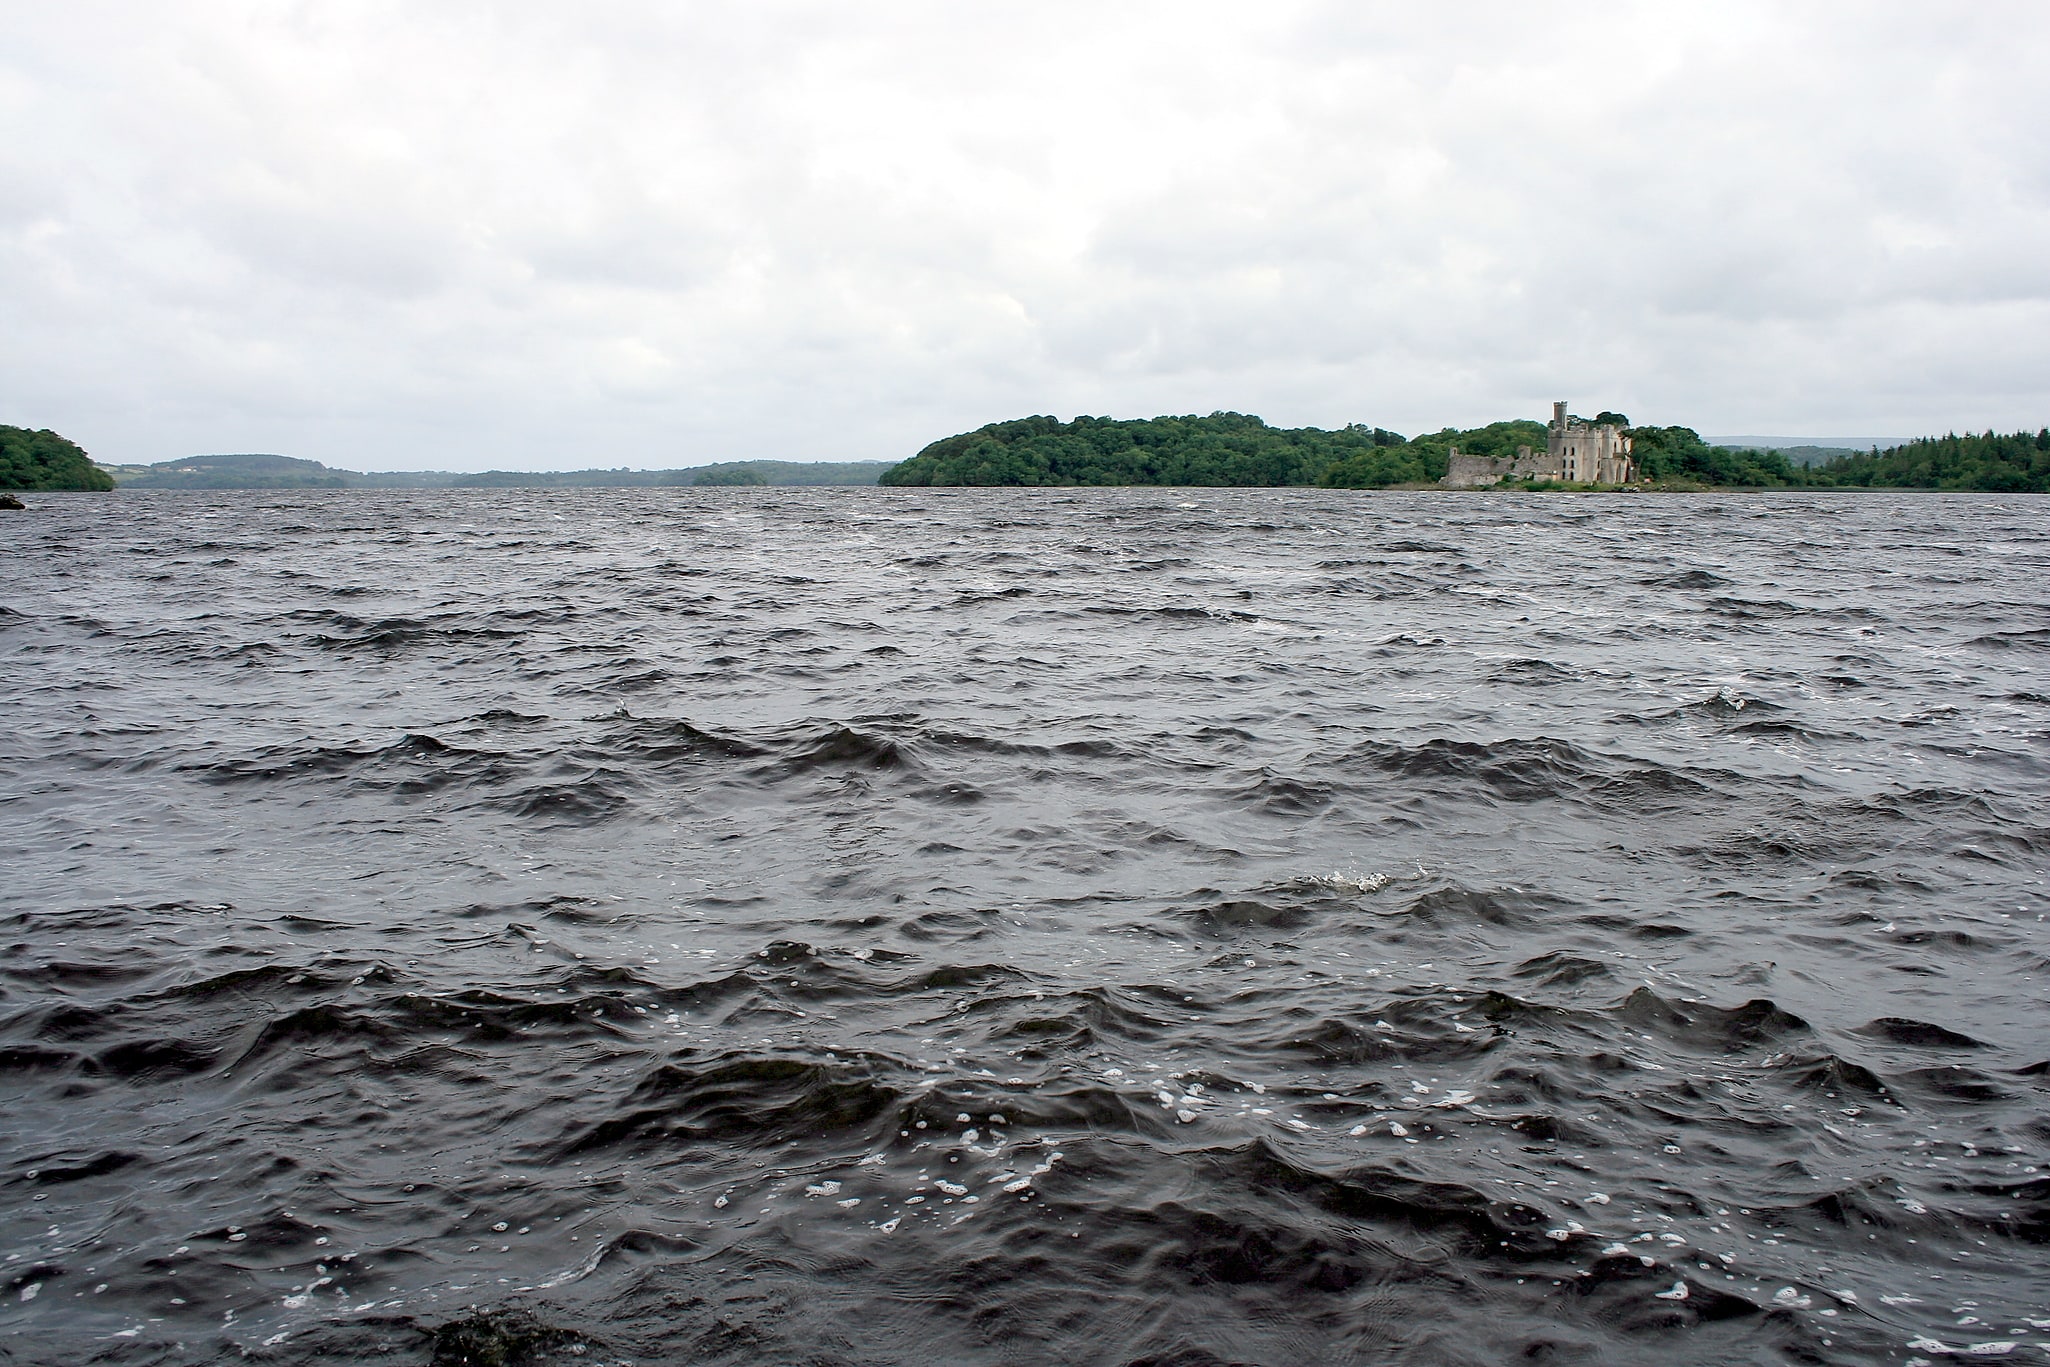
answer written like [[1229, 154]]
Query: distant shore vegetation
[[40, 459], [1237, 449], [1222, 450]]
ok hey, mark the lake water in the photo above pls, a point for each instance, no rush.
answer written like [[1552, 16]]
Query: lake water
[[1180, 927]]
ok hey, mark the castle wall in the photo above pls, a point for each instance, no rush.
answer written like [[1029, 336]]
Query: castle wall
[[1530, 465], [1473, 472]]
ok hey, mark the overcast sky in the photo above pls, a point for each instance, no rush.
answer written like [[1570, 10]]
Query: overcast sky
[[532, 235]]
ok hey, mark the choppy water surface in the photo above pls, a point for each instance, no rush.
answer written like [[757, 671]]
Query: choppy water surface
[[1067, 927]]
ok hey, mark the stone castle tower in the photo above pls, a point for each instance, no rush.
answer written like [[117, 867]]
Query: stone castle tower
[[1575, 451], [1588, 455]]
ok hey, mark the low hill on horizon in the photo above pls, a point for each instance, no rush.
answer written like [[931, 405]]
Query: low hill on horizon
[[245, 471], [263, 471]]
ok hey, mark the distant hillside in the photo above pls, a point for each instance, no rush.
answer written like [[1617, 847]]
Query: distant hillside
[[793, 473], [739, 472], [1808, 451], [291, 472], [239, 472], [1811, 456], [621, 478], [40, 459], [762, 472]]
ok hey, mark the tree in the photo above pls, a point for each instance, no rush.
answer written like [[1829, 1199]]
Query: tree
[[41, 459]]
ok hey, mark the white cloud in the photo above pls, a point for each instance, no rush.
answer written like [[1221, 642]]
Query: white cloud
[[513, 234]]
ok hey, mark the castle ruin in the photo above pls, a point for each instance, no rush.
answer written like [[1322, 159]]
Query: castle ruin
[[1575, 451]]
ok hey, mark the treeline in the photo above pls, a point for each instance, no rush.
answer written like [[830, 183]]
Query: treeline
[[1424, 459], [2017, 463], [1678, 456], [40, 459], [1237, 449], [1670, 456]]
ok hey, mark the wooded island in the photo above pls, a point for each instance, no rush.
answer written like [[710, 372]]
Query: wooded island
[[1238, 449]]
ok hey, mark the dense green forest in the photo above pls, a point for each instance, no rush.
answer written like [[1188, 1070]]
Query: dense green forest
[[41, 459], [2018, 463]]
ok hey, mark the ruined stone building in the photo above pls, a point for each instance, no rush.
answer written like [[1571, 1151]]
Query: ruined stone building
[[1574, 450]]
